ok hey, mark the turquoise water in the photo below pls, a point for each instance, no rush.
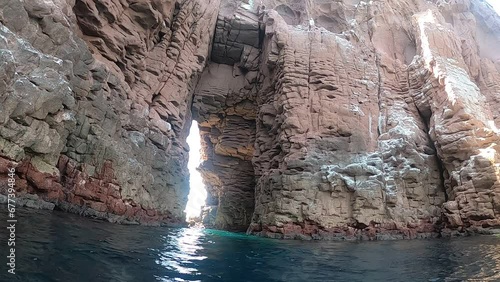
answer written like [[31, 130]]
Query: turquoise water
[[55, 246]]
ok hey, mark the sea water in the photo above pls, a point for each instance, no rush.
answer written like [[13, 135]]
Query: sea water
[[56, 246]]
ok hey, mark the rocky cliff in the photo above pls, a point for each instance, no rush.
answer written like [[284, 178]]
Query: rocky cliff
[[319, 119], [96, 102]]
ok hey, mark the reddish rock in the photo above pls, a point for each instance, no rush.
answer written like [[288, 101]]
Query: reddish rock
[[101, 207], [116, 206]]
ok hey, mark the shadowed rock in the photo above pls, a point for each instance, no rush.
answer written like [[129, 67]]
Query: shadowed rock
[[319, 119]]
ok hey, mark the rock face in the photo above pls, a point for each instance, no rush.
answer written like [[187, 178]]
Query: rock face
[[319, 119], [95, 102], [383, 131]]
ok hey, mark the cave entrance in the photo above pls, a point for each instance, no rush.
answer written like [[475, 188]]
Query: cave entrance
[[197, 192]]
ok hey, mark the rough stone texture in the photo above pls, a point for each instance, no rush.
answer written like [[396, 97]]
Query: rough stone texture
[[30, 201], [226, 112], [95, 101], [319, 119], [383, 128], [225, 107]]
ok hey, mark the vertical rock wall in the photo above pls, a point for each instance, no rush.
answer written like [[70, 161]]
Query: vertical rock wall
[[225, 105], [96, 102], [382, 125]]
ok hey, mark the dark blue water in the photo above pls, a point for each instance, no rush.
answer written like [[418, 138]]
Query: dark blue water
[[55, 246]]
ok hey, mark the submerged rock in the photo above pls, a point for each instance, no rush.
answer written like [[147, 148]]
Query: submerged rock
[[341, 120]]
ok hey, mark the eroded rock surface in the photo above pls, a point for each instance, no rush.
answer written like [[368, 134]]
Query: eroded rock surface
[[383, 127], [96, 102], [319, 119]]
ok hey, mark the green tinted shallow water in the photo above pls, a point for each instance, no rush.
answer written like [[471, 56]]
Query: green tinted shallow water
[[54, 246]]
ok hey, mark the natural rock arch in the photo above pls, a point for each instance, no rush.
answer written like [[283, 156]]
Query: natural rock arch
[[335, 125]]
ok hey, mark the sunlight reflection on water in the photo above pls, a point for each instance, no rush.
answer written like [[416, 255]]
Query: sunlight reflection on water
[[181, 251], [64, 247]]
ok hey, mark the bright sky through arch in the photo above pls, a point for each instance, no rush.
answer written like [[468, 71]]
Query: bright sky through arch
[[197, 192]]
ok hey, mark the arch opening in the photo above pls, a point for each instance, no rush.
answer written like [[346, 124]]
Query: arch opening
[[197, 191]]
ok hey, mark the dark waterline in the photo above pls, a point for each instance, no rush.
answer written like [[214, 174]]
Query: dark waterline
[[55, 246]]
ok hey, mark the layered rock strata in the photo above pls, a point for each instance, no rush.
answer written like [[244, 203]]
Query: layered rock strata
[[319, 119], [225, 107], [382, 126], [96, 102]]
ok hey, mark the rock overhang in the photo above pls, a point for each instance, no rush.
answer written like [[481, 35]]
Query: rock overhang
[[317, 118]]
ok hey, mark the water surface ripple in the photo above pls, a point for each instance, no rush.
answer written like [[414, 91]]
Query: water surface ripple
[[55, 246]]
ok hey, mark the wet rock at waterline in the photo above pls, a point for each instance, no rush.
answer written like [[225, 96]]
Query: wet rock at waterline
[[333, 120]]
